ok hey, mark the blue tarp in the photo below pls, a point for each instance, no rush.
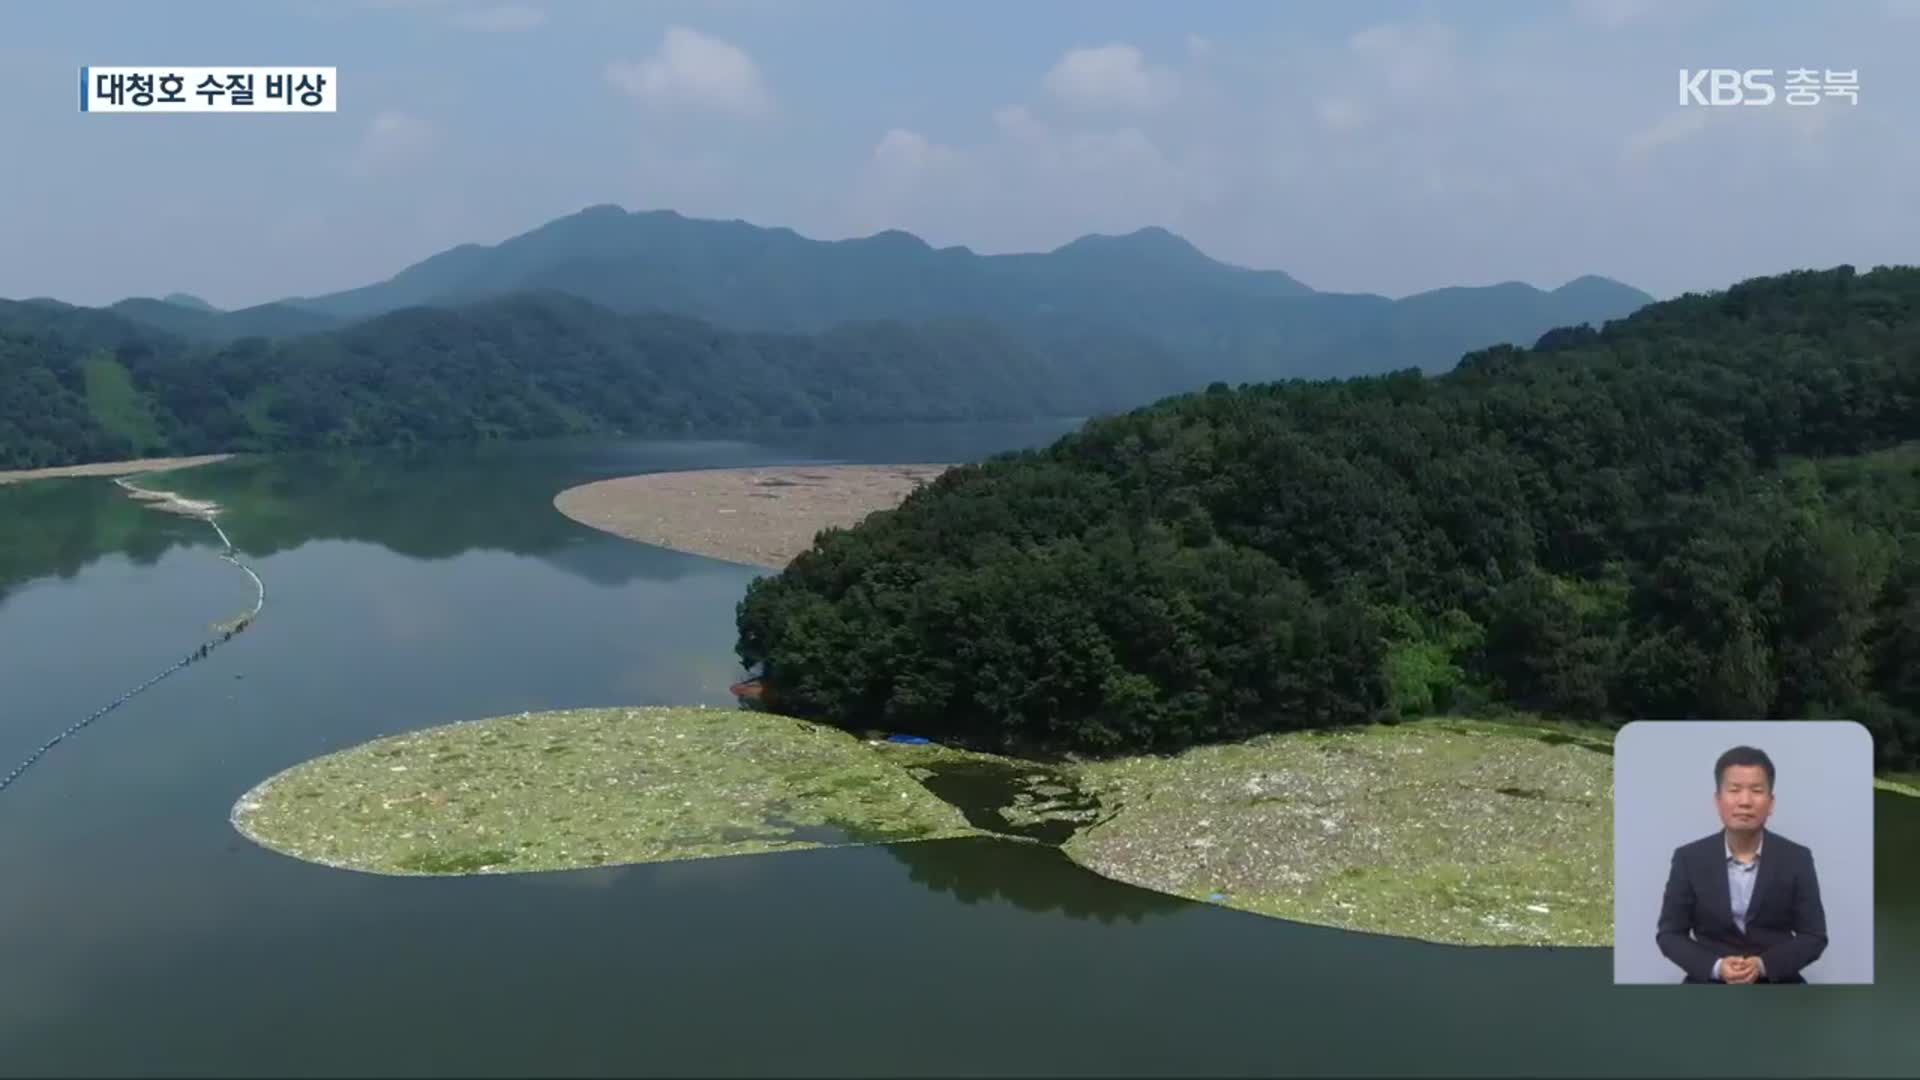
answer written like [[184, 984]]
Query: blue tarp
[[906, 738]]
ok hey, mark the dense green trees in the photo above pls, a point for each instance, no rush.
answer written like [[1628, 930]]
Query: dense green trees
[[1710, 509], [79, 384]]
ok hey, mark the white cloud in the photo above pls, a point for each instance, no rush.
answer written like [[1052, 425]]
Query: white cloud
[[1032, 185], [1484, 141], [348, 9], [1389, 81], [695, 70], [904, 169], [910, 151], [1538, 147], [1675, 127], [393, 141], [1340, 114], [1111, 76], [1408, 58], [1810, 128], [506, 19], [1126, 152], [1464, 184], [1613, 12], [1017, 122]]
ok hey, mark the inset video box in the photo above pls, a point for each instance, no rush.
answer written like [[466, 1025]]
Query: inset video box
[[1743, 852]]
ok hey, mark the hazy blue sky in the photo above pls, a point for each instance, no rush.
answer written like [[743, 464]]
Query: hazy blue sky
[[1385, 147]]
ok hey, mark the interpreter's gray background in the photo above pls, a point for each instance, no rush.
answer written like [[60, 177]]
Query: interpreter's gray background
[[1663, 797]]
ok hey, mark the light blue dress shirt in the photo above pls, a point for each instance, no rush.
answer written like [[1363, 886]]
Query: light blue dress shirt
[[1740, 878]]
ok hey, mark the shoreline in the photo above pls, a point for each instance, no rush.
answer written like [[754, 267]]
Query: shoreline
[[130, 467], [1346, 829], [759, 516]]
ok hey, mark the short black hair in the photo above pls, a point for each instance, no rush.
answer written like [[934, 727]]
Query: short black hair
[[1742, 755]]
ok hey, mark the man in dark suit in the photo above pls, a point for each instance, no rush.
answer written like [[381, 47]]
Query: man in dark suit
[[1742, 905]]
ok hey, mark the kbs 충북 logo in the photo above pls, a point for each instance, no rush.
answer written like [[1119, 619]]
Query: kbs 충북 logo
[[1756, 86], [203, 89]]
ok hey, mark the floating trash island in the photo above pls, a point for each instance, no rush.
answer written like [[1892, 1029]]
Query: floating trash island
[[1450, 831], [591, 787]]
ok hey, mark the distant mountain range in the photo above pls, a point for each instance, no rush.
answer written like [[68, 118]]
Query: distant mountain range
[[1148, 291], [203, 322]]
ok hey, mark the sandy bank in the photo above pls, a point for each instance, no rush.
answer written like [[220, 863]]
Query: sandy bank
[[760, 517], [110, 468], [170, 501]]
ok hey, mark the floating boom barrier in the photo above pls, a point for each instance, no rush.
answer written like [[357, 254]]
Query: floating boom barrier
[[205, 511]]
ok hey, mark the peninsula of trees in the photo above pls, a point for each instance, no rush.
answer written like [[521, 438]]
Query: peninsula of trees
[[1708, 509]]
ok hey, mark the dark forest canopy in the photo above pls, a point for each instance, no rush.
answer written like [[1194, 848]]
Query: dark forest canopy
[[1709, 509], [78, 384]]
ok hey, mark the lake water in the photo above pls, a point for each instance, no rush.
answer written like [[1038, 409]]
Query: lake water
[[140, 934]]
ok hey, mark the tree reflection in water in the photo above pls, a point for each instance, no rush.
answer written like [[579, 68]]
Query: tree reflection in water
[[1031, 877]]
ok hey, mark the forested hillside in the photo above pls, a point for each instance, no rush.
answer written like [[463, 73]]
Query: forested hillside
[[79, 384], [202, 323], [1709, 509]]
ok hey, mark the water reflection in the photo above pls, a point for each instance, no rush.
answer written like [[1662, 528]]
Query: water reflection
[[437, 503], [57, 528], [129, 906], [1031, 877], [423, 504], [140, 934]]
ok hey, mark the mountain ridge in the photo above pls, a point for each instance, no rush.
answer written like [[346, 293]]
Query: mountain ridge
[[1143, 239], [1225, 321], [80, 384]]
